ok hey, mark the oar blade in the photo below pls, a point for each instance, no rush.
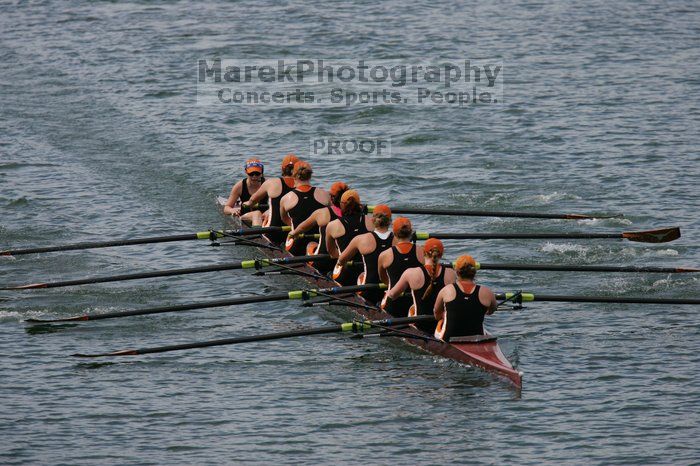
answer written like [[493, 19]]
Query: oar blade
[[662, 235]]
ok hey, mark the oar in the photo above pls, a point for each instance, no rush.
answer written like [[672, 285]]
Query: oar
[[529, 297], [295, 294], [662, 235], [580, 268], [211, 235], [492, 213], [356, 326], [246, 264]]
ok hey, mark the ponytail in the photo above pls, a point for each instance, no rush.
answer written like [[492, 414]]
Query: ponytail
[[435, 255]]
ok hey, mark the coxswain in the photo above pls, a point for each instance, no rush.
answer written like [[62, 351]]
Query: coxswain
[[370, 245], [460, 307], [321, 218], [341, 231], [298, 204], [425, 282], [393, 262], [245, 188], [274, 189]]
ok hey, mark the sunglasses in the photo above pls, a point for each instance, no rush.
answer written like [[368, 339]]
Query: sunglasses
[[254, 174]]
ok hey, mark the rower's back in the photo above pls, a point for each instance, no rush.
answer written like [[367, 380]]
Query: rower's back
[[464, 315], [425, 296], [354, 224], [308, 199], [405, 255]]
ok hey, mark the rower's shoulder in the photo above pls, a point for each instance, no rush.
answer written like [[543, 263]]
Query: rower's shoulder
[[387, 254]]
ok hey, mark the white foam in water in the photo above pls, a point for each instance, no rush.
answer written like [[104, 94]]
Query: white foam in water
[[663, 252], [16, 316], [604, 221], [636, 252], [564, 248], [555, 196]]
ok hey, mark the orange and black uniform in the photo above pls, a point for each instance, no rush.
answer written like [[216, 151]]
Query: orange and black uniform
[[305, 206], [371, 262], [464, 315], [327, 266], [424, 307], [354, 225], [245, 193], [275, 216], [402, 262]]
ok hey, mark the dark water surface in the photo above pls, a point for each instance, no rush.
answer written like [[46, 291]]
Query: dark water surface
[[100, 137]]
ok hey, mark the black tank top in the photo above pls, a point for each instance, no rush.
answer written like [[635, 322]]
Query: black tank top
[[424, 307], [275, 217], [304, 207], [245, 194], [322, 249], [465, 314], [354, 225], [371, 260], [401, 263], [399, 306]]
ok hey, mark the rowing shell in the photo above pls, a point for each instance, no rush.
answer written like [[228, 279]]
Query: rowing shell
[[479, 350]]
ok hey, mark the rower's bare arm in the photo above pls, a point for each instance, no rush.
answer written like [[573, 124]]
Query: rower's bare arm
[[323, 197], [283, 210], [419, 254], [439, 308], [260, 194], [487, 298], [306, 225], [350, 251], [450, 276], [403, 283], [230, 207], [381, 267], [331, 232]]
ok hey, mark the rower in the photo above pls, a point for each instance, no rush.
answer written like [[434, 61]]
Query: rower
[[393, 262], [425, 282], [341, 231], [460, 307], [245, 188], [274, 189], [370, 245], [298, 204], [322, 217]]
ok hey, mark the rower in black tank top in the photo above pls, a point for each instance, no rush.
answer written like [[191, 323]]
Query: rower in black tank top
[[464, 315], [424, 307], [305, 206], [275, 217], [245, 193], [399, 306], [371, 262], [354, 225], [325, 267]]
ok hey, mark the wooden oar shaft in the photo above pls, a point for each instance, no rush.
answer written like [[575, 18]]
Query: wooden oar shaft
[[495, 213], [100, 244], [662, 235], [167, 273], [345, 327], [149, 240], [529, 297], [522, 235]]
